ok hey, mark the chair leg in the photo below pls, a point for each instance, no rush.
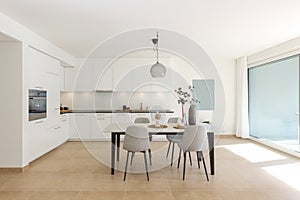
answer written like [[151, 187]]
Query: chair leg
[[146, 166], [132, 155], [179, 158], [198, 160], [126, 165], [190, 158], [172, 156], [150, 156], [184, 163], [168, 149], [201, 156]]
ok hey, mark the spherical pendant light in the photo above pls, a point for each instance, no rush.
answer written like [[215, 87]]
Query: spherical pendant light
[[157, 70]]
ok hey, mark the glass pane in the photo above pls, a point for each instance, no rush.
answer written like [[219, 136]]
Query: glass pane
[[274, 100]]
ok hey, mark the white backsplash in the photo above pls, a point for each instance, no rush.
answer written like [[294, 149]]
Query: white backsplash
[[116, 100]]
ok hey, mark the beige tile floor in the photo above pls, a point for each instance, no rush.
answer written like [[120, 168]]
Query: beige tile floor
[[71, 172]]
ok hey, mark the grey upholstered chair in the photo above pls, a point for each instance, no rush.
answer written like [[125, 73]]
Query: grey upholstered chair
[[143, 120], [174, 139], [194, 139], [136, 140]]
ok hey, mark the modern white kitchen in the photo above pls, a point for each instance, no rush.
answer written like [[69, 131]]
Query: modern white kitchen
[[68, 99]]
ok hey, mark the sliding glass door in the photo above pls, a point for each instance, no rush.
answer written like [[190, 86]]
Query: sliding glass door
[[274, 102]]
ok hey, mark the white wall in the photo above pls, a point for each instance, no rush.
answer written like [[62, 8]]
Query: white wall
[[11, 104], [21, 33], [226, 69]]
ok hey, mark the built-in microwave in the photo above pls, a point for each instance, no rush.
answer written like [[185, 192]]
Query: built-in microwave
[[37, 104]]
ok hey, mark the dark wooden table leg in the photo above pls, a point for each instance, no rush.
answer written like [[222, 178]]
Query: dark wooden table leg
[[211, 143], [113, 144], [118, 147]]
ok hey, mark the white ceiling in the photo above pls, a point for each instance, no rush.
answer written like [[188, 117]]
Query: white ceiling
[[224, 28]]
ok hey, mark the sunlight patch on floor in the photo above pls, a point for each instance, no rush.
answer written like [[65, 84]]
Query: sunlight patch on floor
[[253, 153], [288, 173]]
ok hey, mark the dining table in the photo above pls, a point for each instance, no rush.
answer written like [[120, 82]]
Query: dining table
[[168, 129]]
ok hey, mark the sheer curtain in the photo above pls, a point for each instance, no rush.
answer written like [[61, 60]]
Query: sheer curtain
[[242, 122]]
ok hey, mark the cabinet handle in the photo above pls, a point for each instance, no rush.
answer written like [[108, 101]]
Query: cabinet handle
[[38, 122], [63, 120], [53, 73], [57, 128], [39, 87]]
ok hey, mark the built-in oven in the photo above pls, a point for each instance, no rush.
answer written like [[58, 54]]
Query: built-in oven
[[37, 108]]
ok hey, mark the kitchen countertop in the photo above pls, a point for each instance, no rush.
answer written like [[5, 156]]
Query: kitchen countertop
[[116, 111]]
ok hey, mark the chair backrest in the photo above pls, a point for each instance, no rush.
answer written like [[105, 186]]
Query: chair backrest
[[173, 120], [136, 139], [142, 120], [194, 139]]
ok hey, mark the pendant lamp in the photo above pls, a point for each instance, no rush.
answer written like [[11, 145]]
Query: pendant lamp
[[157, 70]]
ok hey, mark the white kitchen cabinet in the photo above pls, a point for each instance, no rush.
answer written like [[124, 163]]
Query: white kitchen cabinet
[[84, 75], [54, 137], [122, 75], [62, 79], [102, 74], [103, 82], [36, 70], [37, 138], [58, 134], [82, 126], [69, 78], [64, 124], [100, 123], [80, 77], [141, 79], [121, 120], [53, 99], [43, 135], [73, 133]]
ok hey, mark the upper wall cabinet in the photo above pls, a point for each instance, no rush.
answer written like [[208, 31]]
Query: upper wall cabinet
[[39, 67], [89, 75], [102, 74], [83, 80], [122, 74], [137, 77], [62, 79], [141, 79]]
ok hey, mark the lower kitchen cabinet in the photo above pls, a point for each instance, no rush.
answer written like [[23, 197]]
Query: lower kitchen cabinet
[[43, 137], [80, 128], [37, 139], [96, 126], [100, 123], [89, 126]]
